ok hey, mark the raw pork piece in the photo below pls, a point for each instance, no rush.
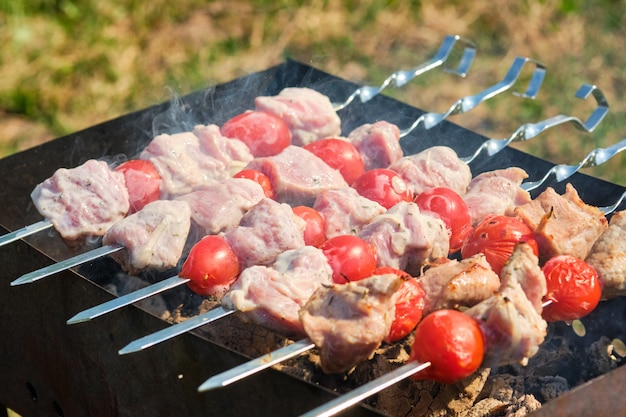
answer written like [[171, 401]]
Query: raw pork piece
[[345, 211], [378, 144], [512, 325], [437, 166], [404, 238], [563, 225], [454, 284], [608, 257], [188, 161], [348, 322], [496, 192], [154, 237], [309, 114], [268, 229], [273, 295], [220, 207], [298, 176], [82, 201]]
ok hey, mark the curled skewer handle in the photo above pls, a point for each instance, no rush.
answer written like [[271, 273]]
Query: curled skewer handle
[[594, 158], [465, 104], [530, 130], [400, 78], [613, 207], [346, 401]]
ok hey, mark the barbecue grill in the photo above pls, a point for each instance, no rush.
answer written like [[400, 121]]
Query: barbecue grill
[[50, 368]]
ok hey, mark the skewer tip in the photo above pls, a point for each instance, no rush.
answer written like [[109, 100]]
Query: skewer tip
[[210, 384]]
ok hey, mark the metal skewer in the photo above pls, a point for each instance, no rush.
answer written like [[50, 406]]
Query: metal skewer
[[594, 158], [66, 264], [399, 78], [25, 231], [466, 104], [530, 130], [610, 209]]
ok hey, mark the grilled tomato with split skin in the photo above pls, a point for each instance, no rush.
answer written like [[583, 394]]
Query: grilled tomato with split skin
[[350, 258]]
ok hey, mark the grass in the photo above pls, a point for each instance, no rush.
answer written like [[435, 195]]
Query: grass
[[69, 64]]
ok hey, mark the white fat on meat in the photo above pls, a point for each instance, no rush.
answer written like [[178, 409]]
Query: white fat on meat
[[298, 176], [345, 211], [496, 192], [268, 229], [378, 144], [219, 207], [309, 114], [153, 237], [453, 284], [348, 322], [437, 166], [608, 257], [82, 201], [273, 295], [406, 239], [563, 224], [510, 321], [188, 161]]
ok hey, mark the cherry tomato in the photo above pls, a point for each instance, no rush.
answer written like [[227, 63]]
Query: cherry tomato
[[384, 186], [451, 209], [409, 304], [212, 266], [339, 154], [315, 232], [573, 287], [143, 182], [350, 258], [496, 237], [260, 178], [453, 344], [265, 134]]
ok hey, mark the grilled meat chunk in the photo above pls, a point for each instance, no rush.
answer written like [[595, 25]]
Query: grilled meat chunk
[[188, 161], [348, 322], [345, 211], [404, 238], [512, 325], [454, 284], [220, 207], [563, 225], [378, 144], [297, 175], [608, 257], [309, 114], [437, 166], [496, 192], [264, 232], [273, 295], [82, 201], [153, 237]]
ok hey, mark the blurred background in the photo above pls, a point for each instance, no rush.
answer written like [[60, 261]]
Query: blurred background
[[69, 64]]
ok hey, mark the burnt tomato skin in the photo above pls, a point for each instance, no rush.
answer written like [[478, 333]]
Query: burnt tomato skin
[[496, 237], [452, 342], [212, 266], [350, 258], [573, 287]]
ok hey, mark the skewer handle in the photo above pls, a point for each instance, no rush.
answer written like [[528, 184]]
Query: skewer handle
[[346, 401], [25, 231], [127, 299], [66, 264]]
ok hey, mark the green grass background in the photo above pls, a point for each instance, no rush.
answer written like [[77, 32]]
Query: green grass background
[[69, 64]]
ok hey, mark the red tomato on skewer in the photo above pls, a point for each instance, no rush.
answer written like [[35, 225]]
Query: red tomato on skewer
[[451, 209], [452, 342], [496, 237], [265, 134], [339, 154], [143, 182], [573, 287], [350, 258], [260, 178], [212, 266], [315, 232], [384, 186]]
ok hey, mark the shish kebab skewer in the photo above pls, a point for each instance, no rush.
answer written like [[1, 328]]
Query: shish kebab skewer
[[176, 281], [461, 106], [365, 93]]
